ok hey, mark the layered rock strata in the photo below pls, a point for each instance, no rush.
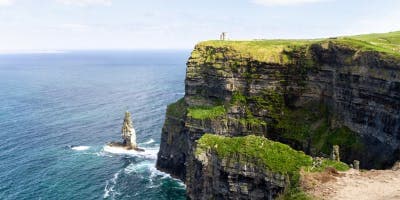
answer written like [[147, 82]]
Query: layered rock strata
[[308, 94]]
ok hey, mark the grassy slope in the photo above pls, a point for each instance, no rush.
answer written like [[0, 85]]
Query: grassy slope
[[386, 42], [274, 156], [205, 112], [271, 50]]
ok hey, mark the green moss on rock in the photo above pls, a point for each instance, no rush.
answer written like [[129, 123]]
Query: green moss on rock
[[177, 109], [311, 126]]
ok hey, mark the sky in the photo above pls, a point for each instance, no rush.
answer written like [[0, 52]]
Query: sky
[[48, 25]]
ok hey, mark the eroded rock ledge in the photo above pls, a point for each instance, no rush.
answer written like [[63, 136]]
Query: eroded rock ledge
[[309, 94]]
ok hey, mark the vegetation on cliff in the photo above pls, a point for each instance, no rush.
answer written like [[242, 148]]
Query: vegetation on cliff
[[269, 51], [274, 156], [312, 126], [381, 42], [309, 94], [315, 127], [177, 109], [275, 51], [206, 112]]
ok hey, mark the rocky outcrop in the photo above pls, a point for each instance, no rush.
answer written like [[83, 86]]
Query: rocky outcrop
[[250, 167], [212, 178], [308, 94], [128, 132]]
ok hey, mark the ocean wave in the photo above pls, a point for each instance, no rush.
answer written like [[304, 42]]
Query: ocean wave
[[149, 141], [110, 185], [137, 167], [149, 153], [148, 170], [80, 148], [144, 166]]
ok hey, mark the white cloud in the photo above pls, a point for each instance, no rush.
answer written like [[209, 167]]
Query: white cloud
[[6, 2], [85, 2], [285, 2]]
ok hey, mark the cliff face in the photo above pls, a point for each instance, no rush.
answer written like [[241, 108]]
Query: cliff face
[[308, 94], [226, 168]]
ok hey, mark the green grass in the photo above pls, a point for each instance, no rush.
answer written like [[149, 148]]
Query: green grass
[[274, 156], [331, 163], [252, 122], [294, 193], [274, 51], [270, 51], [205, 112], [384, 42]]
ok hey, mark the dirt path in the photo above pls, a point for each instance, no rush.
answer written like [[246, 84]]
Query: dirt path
[[368, 185]]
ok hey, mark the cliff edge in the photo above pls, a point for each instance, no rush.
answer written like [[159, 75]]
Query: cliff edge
[[308, 94]]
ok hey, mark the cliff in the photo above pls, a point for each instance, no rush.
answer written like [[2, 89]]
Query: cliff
[[309, 94]]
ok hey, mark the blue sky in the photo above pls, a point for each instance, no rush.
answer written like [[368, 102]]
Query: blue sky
[[180, 24]]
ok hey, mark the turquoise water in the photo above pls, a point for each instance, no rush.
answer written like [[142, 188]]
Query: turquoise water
[[51, 101]]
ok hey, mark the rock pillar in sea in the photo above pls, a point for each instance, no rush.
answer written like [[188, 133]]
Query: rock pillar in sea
[[128, 132]]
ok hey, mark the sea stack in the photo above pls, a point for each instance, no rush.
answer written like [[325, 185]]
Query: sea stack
[[128, 132]]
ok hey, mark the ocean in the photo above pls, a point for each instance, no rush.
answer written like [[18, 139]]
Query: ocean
[[52, 101]]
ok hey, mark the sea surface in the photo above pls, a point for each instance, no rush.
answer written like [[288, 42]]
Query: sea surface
[[52, 101]]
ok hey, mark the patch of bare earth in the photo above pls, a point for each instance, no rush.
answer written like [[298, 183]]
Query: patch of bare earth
[[353, 184]]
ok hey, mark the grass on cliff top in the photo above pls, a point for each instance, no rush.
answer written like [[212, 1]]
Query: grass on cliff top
[[384, 42], [205, 112], [262, 50], [274, 156], [271, 50]]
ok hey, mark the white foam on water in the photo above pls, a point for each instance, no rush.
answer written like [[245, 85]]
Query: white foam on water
[[149, 153], [110, 185], [145, 166], [154, 172], [138, 168], [80, 148], [149, 141], [180, 183], [148, 166], [103, 154]]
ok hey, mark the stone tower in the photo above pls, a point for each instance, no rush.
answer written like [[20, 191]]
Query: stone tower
[[222, 36], [128, 132]]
